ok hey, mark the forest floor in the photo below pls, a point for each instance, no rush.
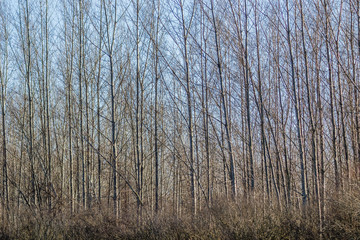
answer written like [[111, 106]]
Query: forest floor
[[222, 221]]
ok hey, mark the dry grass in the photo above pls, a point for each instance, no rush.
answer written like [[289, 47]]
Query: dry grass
[[223, 221]]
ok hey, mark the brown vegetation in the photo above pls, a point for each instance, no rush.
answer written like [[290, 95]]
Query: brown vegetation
[[225, 220]]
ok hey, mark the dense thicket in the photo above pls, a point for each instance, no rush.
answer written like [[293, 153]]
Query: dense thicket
[[143, 108]]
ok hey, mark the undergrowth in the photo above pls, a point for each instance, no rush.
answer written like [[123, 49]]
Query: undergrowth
[[222, 221]]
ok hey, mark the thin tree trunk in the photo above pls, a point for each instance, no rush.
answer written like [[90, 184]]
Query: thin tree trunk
[[185, 32], [296, 108], [5, 190], [332, 96], [262, 126], [247, 96], [30, 104], [156, 110], [222, 93], [98, 107]]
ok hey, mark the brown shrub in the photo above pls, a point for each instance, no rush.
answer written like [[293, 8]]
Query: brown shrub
[[224, 220]]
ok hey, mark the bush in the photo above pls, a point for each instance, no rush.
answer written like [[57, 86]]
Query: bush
[[222, 221]]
